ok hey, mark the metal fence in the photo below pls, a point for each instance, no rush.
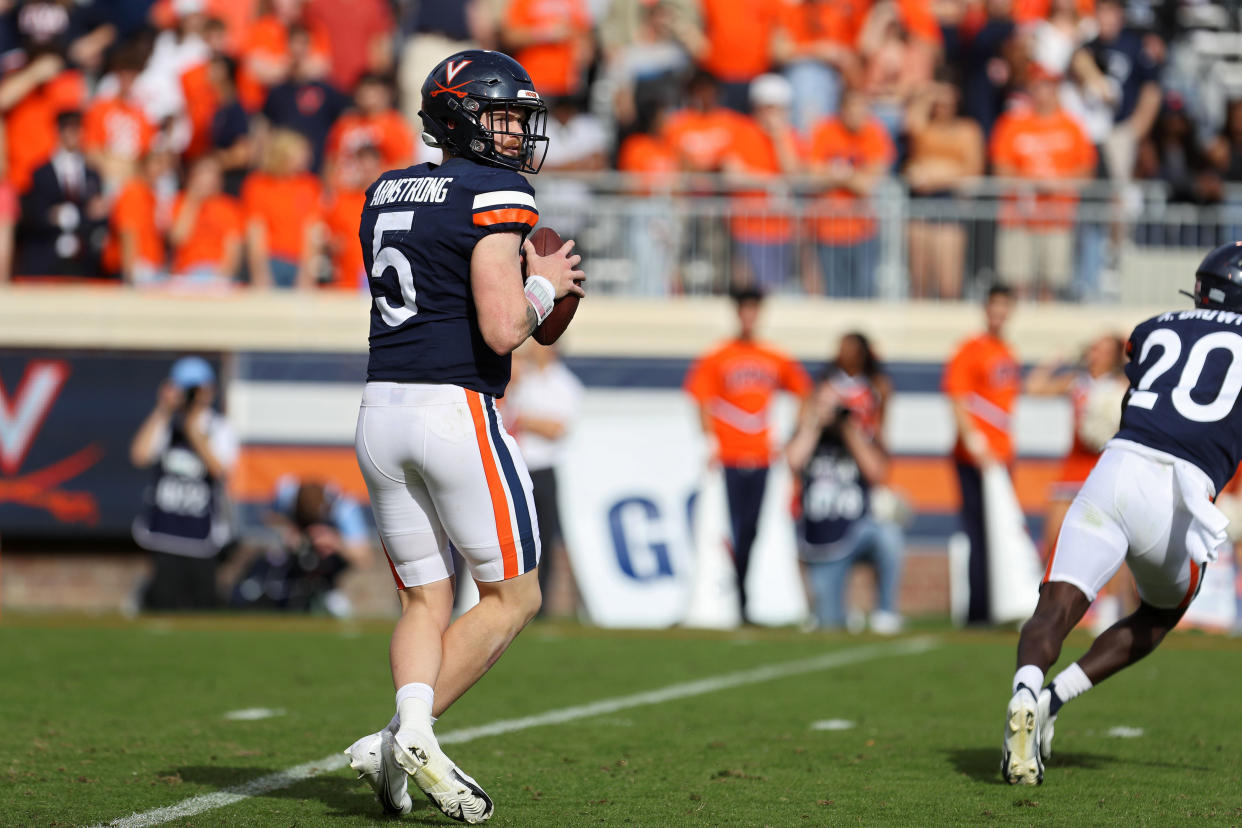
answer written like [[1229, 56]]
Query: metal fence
[[1069, 241]]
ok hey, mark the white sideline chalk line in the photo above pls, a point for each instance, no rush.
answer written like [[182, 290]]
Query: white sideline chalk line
[[336, 761], [254, 714]]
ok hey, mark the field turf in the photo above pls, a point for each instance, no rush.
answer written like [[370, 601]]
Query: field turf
[[101, 718]]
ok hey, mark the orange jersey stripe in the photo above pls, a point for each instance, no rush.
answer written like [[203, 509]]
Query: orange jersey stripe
[[500, 504], [507, 215]]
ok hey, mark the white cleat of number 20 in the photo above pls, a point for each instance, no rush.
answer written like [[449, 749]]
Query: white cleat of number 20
[[451, 789], [1021, 762], [374, 759]]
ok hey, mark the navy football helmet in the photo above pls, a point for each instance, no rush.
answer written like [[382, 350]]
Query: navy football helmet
[[1218, 281], [463, 88]]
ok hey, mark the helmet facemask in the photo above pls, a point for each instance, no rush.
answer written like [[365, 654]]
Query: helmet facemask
[[491, 133]]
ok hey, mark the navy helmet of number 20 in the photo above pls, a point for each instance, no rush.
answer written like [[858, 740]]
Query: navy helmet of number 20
[[1185, 373], [420, 224]]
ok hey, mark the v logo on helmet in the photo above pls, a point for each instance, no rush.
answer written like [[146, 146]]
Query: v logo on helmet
[[453, 67]]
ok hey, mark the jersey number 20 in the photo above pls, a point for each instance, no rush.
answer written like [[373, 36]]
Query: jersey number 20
[[383, 258], [1171, 344]]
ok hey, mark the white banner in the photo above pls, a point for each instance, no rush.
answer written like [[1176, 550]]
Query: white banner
[[633, 473]]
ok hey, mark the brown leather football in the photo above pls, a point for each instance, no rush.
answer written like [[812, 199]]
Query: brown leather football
[[548, 241]]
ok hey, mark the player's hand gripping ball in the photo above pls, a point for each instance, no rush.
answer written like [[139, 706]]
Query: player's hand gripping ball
[[547, 241]]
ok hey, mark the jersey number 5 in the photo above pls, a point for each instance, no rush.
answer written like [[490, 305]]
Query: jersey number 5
[[1171, 345], [383, 258]]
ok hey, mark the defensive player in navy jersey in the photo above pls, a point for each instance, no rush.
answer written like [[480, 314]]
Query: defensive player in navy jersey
[[1148, 503], [441, 244]]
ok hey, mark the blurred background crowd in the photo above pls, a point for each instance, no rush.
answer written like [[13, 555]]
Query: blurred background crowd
[[853, 148]]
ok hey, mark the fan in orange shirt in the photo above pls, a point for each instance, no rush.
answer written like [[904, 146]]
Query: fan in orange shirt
[[373, 123], [765, 149], [733, 385], [49, 90], [199, 91], [849, 153], [264, 55], [1045, 146], [552, 39], [135, 247], [207, 228], [814, 43], [341, 217], [116, 131], [284, 227], [739, 44], [701, 135]]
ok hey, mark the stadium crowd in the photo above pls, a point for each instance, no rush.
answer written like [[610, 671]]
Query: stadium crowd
[[221, 142]]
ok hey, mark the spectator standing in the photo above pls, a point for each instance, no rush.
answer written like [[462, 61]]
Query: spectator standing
[[541, 406], [988, 69], [552, 39], [344, 206], [192, 449], [646, 47], [849, 155], [837, 455], [32, 95], [304, 102], [814, 42], [733, 385], [701, 133], [135, 248], [982, 381], [116, 132], [281, 200], [372, 122], [896, 64], [766, 151], [199, 93], [946, 153], [739, 36], [207, 228], [64, 216], [1049, 152], [229, 129], [264, 54], [320, 534]]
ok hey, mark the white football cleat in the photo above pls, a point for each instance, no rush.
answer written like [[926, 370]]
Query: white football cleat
[[1047, 721], [1021, 763], [456, 795], [372, 756]]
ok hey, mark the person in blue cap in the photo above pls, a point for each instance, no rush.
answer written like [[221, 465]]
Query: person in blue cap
[[191, 449]]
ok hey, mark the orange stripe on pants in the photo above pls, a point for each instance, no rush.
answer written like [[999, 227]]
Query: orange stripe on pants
[[500, 504], [1195, 571], [391, 565]]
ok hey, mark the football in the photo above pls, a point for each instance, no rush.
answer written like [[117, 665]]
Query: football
[[548, 241]]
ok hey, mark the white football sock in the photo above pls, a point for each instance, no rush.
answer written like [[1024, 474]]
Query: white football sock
[[1070, 682], [414, 702], [1031, 676], [394, 724]]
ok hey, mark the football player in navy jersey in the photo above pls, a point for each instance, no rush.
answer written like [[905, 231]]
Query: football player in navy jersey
[[1148, 503], [441, 245]]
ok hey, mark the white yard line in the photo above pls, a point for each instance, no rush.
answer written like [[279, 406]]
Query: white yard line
[[336, 761]]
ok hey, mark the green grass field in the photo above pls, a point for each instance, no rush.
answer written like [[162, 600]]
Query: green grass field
[[102, 718]]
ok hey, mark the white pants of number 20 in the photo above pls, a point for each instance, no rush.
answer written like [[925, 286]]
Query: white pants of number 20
[[440, 468], [1148, 509]]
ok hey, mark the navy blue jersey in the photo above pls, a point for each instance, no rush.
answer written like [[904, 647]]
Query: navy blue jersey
[[834, 494], [1185, 375], [419, 228]]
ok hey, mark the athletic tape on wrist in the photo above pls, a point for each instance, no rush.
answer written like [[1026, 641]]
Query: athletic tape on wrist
[[541, 295]]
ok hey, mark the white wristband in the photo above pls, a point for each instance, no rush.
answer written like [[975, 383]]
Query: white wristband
[[541, 295]]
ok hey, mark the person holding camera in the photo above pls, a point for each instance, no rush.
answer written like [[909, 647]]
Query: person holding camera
[[192, 449], [318, 533], [838, 461]]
